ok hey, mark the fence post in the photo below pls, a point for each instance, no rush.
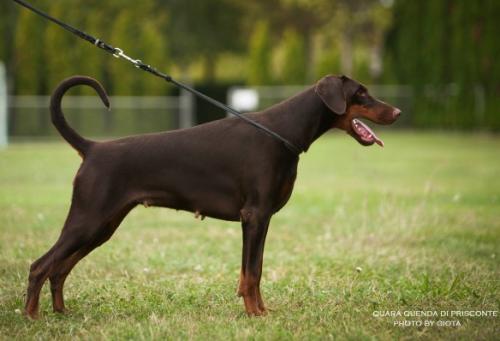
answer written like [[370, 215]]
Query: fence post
[[186, 109], [3, 106]]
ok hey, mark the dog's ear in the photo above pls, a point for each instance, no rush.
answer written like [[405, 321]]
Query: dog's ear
[[331, 91]]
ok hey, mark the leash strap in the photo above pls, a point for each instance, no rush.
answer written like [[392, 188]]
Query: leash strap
[[118, 53]]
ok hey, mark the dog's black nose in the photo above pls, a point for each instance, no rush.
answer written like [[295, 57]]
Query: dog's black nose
[[396, 113]]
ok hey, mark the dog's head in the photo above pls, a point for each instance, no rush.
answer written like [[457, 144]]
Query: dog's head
[[350, 100]]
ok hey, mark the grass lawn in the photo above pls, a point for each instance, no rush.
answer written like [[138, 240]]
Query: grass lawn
[[414, 226]]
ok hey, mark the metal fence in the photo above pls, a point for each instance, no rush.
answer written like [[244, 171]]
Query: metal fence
[[29, 117]]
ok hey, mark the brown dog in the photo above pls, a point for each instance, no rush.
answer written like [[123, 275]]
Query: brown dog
[[226, 169]]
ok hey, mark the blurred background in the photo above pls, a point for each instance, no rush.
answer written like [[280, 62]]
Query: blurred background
[[434, 59]]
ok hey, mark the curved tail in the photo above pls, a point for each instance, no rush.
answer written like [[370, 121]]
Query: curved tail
[[81, 144]]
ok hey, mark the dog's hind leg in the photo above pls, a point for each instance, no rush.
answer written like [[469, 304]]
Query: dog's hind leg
[[74, 235], [59, 273], [38, 275], [58, 277], [69, 242], [88, 225]]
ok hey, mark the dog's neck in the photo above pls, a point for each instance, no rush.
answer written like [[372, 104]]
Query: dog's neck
[[301, 119]]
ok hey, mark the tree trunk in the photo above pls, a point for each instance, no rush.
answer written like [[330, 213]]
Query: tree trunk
[[346, 54], [209, 63], [309, 55], [376, 60]]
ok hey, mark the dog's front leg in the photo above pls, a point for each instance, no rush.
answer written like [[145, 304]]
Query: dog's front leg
[[254, 226]]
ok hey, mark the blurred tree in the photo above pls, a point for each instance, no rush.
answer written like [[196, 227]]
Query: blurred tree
[[94, 62], [125, 33], [283, 15], [260, 55], [489, 72], [60, 49], [328, 61], [27, 64], [294, 65], [347, 24], [8, 20], [375, 27], [445, 49], [203, 31], [341, 27], [192, 35], [155, 47], [28, 55]]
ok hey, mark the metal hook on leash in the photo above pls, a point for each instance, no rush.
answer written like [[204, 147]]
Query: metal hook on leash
[[118, 52], [138, 63]]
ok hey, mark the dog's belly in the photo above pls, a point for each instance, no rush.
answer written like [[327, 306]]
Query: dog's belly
[[218, 207], [216, 199]]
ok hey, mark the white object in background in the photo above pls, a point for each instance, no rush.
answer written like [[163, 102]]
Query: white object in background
[[186, 109], [3, 106], [243, 99]]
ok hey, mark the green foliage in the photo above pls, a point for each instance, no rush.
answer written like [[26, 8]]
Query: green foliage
[[260, 55], [60, 49], [142, 40], [7, 21], [433, 44], [125, 34], [28, 57], [328, 63], [293, 69], [43, 53], [203, 31], [419, 218], [94, 62], [362, 65], [155, 48]]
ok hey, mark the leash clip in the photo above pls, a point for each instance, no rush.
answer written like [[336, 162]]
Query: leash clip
[[118, 52]]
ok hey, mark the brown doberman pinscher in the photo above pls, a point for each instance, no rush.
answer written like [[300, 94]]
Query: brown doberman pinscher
[[225, 169]]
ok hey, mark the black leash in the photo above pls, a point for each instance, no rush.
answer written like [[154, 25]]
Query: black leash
[[118, 53]]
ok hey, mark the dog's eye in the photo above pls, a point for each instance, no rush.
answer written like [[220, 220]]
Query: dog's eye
[[362, 94]]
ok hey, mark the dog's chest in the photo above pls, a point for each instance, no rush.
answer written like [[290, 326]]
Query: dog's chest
[[285, 188]]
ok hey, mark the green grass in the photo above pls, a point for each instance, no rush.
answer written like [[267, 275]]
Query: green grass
[[421, 218]]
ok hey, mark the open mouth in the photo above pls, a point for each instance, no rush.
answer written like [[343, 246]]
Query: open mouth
[[365, 134]]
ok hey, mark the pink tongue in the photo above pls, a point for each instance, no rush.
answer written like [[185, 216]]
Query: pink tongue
[[377, 140]]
